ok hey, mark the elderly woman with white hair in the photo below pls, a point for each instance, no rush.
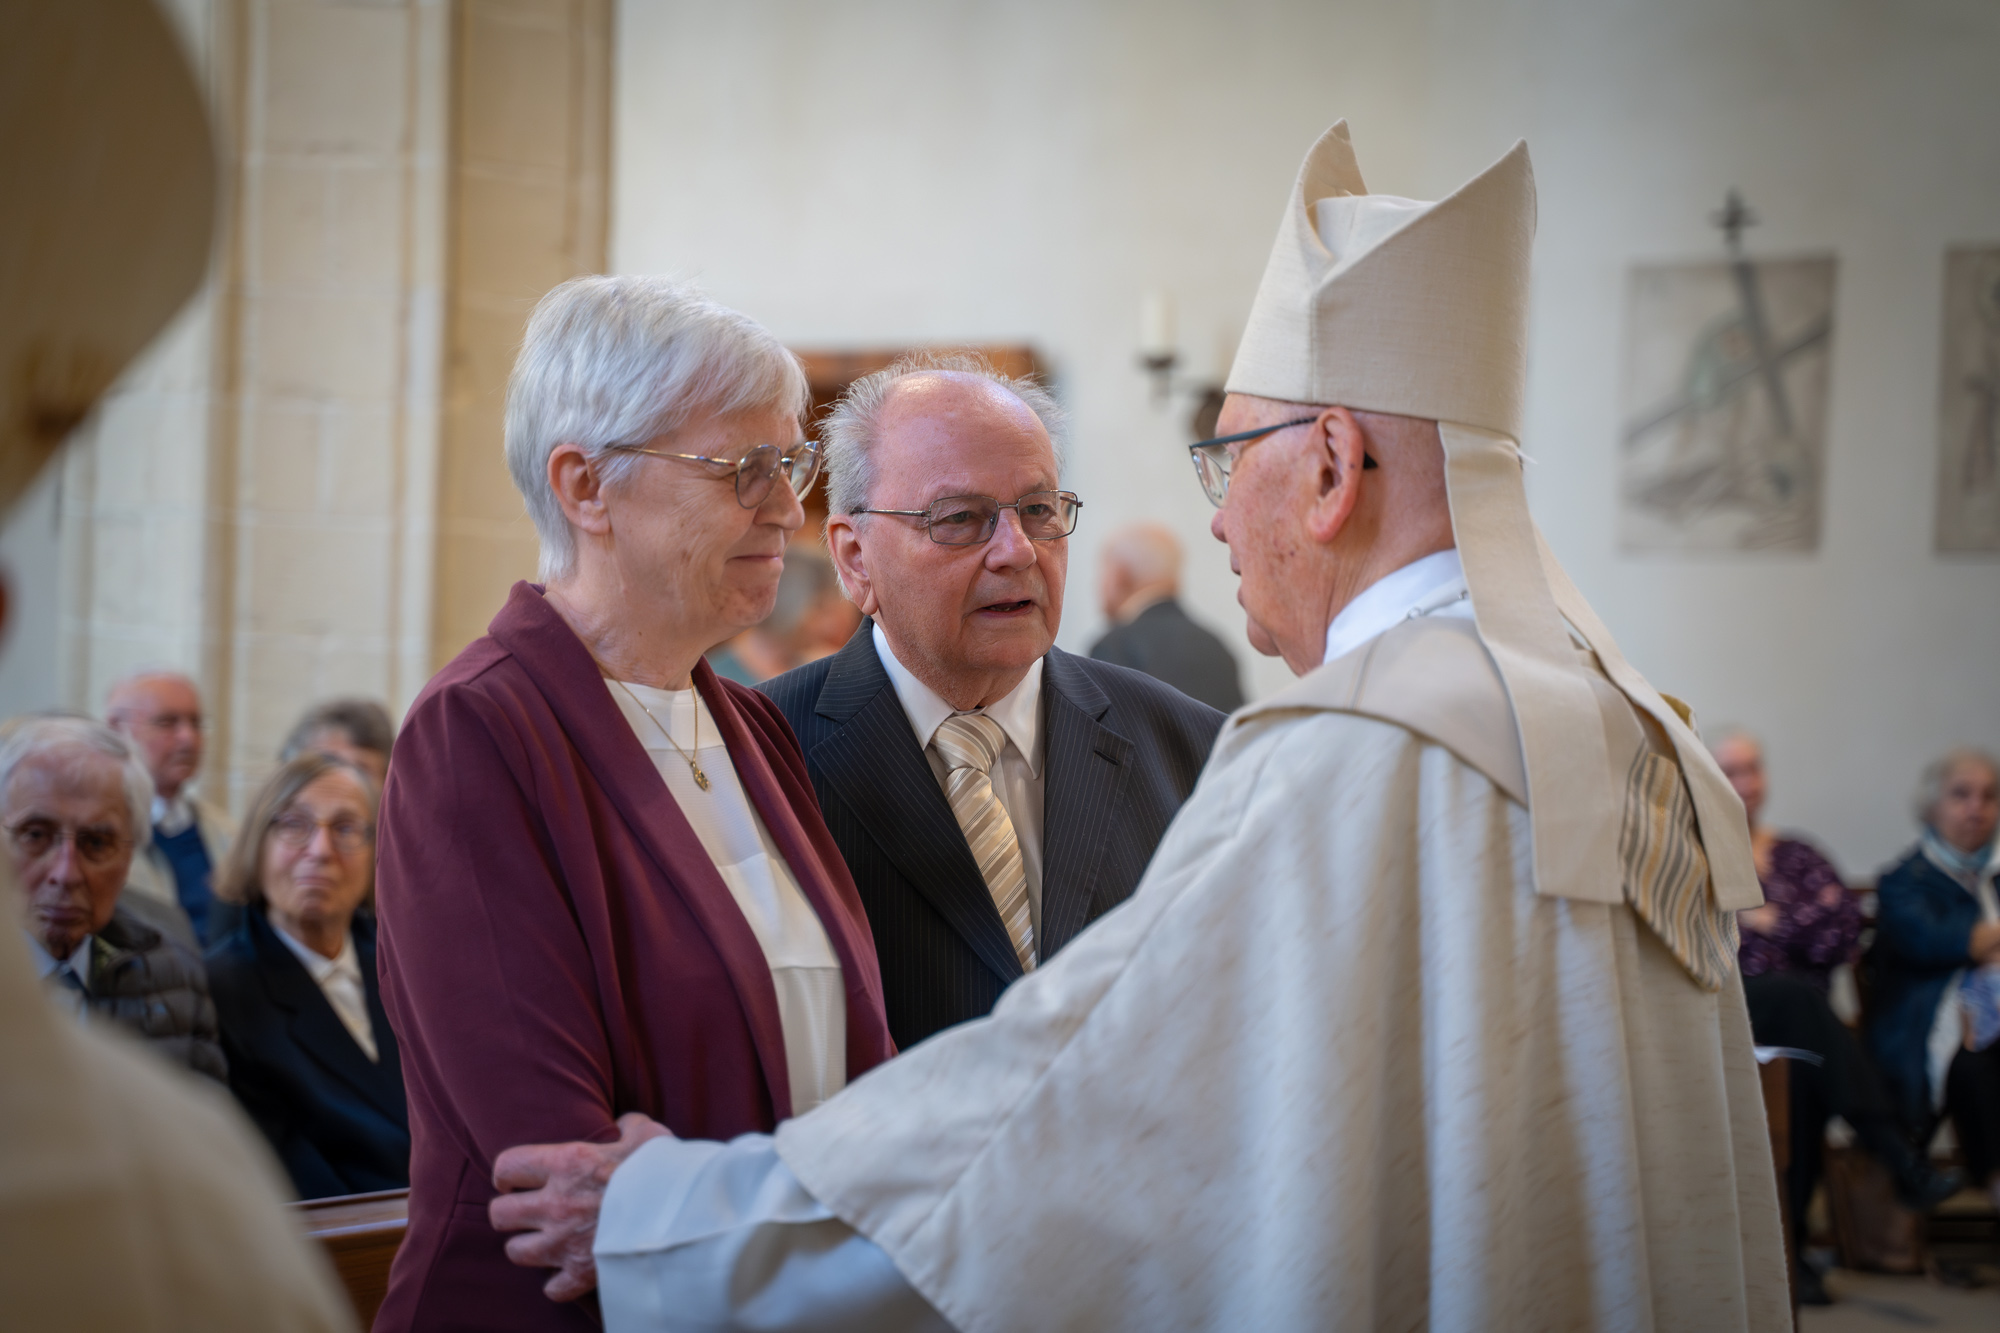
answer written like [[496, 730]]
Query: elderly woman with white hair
[[604, 882], [76, 804], [1934, 969]]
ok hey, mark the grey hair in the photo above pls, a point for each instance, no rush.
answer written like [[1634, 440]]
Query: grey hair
[[1930, 787], [808, 576], [365, 723], [22, 738], [849, 433], [621, 360]]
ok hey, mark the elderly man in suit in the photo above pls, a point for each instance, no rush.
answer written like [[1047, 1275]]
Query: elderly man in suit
[[992, 794], [1139, 587]]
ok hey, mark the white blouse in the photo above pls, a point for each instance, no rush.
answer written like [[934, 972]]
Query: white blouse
[[805, 971]]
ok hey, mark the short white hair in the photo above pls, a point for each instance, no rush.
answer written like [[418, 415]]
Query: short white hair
[[850, 432], [1930, 787], [621, 360], [1148, 552], [23, 738]]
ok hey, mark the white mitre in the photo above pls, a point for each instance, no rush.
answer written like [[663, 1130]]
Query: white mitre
[[1392, 305]]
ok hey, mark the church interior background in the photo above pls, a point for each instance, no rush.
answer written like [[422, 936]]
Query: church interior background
[[300, 491]]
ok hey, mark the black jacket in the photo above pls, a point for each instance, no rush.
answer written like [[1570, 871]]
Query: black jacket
[[336, 1118], [154, 987], [1165, 644], [1122, 751]]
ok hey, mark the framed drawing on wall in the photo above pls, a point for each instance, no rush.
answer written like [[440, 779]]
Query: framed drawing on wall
[[1968, 481]]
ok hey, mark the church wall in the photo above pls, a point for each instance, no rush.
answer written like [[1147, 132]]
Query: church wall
[[890, 172]]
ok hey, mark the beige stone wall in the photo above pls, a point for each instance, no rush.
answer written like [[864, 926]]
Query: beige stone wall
[[530, 148], [278, 499]]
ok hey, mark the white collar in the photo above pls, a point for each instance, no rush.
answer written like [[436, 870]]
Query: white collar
[[1432, 585], [173, 817], [345, 963], [47, 964], [1019, 713]]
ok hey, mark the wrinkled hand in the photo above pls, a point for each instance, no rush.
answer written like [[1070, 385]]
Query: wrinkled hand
[[1762, 920], [552, 1192]]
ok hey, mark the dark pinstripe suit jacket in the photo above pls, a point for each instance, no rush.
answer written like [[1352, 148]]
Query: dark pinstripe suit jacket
[[1122, 752]]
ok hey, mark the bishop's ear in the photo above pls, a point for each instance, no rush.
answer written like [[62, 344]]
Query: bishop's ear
[[843, 543], [1340, 452]]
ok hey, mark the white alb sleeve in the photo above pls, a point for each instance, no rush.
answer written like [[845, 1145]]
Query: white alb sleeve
[[722, 1236]]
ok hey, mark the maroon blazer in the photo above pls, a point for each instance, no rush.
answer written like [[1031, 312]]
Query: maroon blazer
[[556, 948]]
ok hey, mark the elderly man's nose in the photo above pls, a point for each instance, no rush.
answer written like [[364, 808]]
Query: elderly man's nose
[[1215, 528], [1010, 547], [65, 867]]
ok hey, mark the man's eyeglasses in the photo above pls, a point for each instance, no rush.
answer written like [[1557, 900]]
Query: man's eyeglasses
[[1212, 463], [296, 829], [96, 844], [971, 520], [756, 470]]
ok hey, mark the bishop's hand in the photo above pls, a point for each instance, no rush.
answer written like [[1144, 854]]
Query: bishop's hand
[[552, 1192]]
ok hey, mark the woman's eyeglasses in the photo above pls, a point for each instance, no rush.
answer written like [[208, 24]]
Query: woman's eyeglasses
[[1211, 457], [757, 470], [296, 830], [971, 520]]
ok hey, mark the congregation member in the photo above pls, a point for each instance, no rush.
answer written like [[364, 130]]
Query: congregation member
[[161, 712], [604, 885], [311, 1055], [356, 730], [1934, 1000], [1138, 588], [74, 801], [992, 794], [811, 619], [1810, 924], [1426, 1014]]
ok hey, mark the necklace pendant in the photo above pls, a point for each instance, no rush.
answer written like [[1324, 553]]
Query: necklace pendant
[[700, 778]]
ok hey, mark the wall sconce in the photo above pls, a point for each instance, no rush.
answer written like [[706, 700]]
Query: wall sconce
[[1159, 356]]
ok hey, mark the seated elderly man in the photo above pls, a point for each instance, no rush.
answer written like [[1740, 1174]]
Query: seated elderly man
[[992, 794], [1139, 586], [73, 802], [160, 711], [356, 730]]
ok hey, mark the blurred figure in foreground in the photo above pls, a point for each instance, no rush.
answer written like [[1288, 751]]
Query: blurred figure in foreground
[[811, 619], [73, 802], [1808, 925], [128, 1198], [311, 1055], [1138, 585], [1934, 1012], [357, 730], [161, 712]]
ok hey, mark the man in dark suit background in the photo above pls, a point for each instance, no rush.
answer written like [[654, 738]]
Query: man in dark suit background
[[992, 794], [1139, 584]]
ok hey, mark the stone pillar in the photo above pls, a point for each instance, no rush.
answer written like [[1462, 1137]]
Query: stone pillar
[[300, 492], [531, 143]]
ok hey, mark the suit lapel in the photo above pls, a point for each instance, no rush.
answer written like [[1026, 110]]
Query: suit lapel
[[315, 1028], [568, 678], [1084, 781], [872, 762]]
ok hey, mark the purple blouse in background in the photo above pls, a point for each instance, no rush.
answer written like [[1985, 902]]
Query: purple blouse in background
[[1818, 919]]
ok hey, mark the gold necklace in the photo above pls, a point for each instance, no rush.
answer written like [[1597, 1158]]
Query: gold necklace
[[700, 778]]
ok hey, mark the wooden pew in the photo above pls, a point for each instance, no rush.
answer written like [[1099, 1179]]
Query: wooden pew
[[1776, 1076], [361, 1233]]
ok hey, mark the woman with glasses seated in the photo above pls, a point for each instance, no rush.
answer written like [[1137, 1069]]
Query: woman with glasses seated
[[605, 885], [311, 1055]]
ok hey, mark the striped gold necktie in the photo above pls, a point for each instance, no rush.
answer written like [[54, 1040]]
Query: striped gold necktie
[[971, 745]]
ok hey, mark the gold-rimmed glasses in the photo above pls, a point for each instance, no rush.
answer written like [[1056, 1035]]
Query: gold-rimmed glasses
[[756, 470], [971, 520]]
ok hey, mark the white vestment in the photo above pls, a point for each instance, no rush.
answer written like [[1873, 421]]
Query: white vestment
[[1336, 1064]]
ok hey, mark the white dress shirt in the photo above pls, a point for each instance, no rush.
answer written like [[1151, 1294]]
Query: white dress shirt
[[339, 979], [77, 964], [173, 817], [1017, 777], [1432, 585], [805, 970]]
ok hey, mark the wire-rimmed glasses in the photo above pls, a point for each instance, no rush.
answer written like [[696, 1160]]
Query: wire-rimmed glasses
[[1212, 463], [756, 470], [971, 520], [96, 844], [296, 829]]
